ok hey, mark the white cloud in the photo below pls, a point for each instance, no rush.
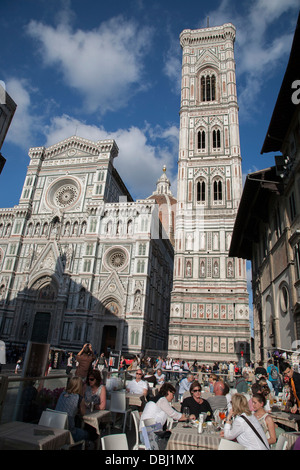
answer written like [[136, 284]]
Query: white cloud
[[142, 152], [258, 48], [24, 121], [104, 65]]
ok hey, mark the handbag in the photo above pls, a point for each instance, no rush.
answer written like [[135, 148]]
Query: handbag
[[255, 430]]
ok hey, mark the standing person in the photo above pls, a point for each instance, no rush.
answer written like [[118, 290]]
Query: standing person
[[84, 359], [231, 371], [18, 365], [273, 376], [101, 362], [267, 423], [69, 363], [168, 368], [245, 427], [294, 381]]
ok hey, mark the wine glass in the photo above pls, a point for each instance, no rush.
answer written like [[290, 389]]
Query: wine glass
[[186, 412]]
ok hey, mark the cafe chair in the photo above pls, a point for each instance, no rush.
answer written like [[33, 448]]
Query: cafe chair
[[136, 419], [114, 442], [79, 445], [225, 444], [148, 422], [118, 405], [54, 419], [281, 443]]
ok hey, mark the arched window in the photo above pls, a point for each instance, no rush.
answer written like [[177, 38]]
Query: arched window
[[216, 139], [208, 88], [201, 140], [218, 193], [201, 191]]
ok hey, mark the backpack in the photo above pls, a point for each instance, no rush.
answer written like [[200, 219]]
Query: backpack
[[274, 373]]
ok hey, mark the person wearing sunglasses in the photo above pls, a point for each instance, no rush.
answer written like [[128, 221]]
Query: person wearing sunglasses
[[138, 385], [196, 404], [95, 391]]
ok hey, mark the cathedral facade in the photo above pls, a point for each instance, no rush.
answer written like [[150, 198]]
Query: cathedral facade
[[80, 260], [209, 317]]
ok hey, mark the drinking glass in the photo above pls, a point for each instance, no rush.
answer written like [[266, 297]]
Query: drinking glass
[[186, 412]]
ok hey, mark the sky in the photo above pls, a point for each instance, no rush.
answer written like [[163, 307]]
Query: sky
[[105, 70]]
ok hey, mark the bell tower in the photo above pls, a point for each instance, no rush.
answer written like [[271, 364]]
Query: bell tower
[[209, 318]]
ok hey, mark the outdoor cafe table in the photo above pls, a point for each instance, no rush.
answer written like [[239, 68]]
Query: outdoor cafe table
[[27, 436], [133, 399], [188, 439], [287, 419], [94, 418]]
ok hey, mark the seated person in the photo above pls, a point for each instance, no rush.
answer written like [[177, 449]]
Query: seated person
[[218, 401], [112, 383], [196, 404], [138, 385], [71, 401], [241, 384], [160, 377], [184, 385], [162, 409], [94, 391]]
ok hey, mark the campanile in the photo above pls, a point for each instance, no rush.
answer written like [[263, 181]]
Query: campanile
[[209, 318]]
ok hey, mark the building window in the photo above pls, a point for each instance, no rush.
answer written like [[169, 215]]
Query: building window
[[297, 259], [284, 299], [218, 192], [201, 140], [208, 88], [201, 191], [292, 206], [216, 139]]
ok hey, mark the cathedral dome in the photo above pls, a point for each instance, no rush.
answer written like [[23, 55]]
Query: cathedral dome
[[167, 204]]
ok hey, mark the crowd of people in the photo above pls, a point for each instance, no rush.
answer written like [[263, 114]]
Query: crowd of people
[[247, 416]]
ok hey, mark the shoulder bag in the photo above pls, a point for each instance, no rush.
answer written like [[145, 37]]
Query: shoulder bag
[[255, 430]]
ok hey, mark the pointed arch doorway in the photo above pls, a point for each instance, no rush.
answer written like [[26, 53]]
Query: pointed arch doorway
[[109, 336]]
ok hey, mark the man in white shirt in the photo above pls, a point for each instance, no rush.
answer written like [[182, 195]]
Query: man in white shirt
[[138, 385]]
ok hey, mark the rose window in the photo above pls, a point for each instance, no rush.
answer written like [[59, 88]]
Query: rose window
[[66, 195], [117, 259], [63, 193]]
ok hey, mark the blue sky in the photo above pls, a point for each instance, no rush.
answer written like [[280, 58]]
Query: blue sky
[[103, 69]]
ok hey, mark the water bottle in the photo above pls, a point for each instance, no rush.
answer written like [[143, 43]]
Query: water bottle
[[200, 425]]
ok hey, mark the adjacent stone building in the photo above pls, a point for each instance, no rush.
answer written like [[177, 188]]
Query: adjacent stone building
[[267, 227]]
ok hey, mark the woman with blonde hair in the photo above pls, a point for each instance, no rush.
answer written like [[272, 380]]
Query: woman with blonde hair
[[71, 402], [243, 426]]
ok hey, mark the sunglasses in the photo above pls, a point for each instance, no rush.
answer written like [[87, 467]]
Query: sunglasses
[[91, 379], [138, 373], [196, 390]]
